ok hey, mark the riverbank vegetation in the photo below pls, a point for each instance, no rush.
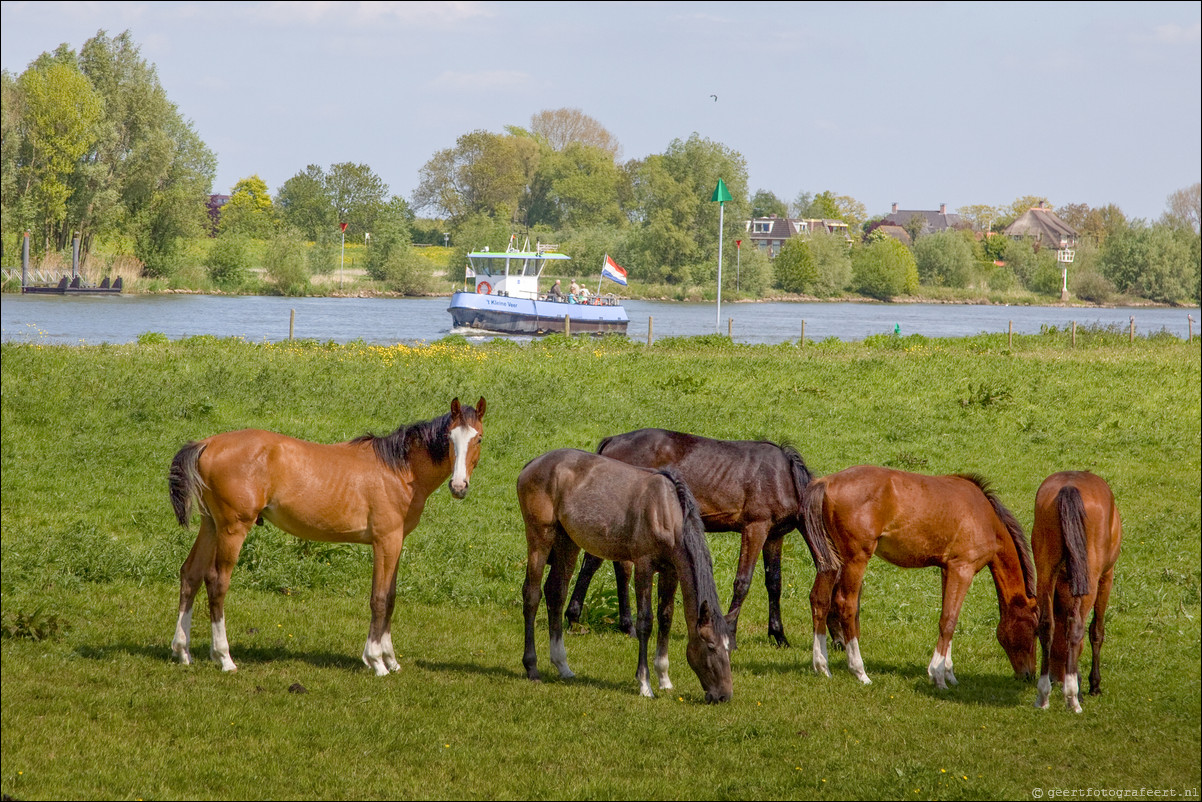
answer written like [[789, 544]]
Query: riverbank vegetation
[[94, 708], [94, 151]]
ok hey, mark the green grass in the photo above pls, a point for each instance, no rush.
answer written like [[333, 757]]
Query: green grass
[[92, 707]]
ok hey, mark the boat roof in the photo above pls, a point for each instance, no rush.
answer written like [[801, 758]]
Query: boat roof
[[516, 255]]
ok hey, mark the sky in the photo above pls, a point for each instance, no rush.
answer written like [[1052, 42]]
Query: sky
[[914, 103]]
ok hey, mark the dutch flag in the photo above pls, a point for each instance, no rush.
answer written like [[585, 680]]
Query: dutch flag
[[613, 272]]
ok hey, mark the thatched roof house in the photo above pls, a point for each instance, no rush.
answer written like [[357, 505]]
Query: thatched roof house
[[1041, 224]]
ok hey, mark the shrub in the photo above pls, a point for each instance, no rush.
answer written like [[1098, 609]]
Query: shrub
[[229, 260], [884, 269], [1093, 287], [286, 264]]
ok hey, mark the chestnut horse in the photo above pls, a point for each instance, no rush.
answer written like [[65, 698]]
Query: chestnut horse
[[1076, 538], [745, 486], [915, 521], [573, 499], [370, 490]]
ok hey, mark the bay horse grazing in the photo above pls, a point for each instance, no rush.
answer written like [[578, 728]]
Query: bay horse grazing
[[1076, 539], [751, 487], [573, 499], [954, 522], [370, 490]]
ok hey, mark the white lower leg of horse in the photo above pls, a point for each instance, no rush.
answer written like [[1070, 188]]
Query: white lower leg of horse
[[821, 665], [855, 662], [937, 670], [183, 634], [373, 656], [1072, 692], [389, 653], [559, 657], [948, 674], [661, 668], [220, 651], [1043, 690]]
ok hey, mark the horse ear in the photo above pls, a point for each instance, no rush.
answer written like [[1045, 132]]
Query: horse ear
[[703, 616], [480, 405], [455, 411]]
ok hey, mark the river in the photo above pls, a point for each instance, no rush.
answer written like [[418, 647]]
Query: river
[[96, 319]]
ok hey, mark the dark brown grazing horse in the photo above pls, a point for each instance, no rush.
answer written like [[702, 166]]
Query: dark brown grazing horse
[[572, 499], [746, 486], [1076, 538], [915, 521], [370, 490]]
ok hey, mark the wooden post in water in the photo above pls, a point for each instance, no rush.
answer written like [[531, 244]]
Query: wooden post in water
[[291, 323], [1074, 334], [567, 325], [803, 332], [648, 330], [730, 328], [1190, 318], [1131, 337], [1010, 338]]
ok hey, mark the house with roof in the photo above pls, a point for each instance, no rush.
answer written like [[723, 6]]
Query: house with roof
[[1041, 224], [932, 221], [769, 234]]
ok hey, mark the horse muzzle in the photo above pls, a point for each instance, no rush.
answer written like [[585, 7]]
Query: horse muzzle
[[458, 489], [717, 698]]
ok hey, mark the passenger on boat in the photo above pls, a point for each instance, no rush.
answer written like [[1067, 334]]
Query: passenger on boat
[[584, 295], [556, 294]]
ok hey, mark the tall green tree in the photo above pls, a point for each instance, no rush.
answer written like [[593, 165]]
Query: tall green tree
[[304, 203], [794, 266], [358, 196], [249, 211], [944, 259], [765, 204], [884, 269]]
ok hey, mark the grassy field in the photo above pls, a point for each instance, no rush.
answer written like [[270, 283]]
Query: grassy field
[[92, 706]]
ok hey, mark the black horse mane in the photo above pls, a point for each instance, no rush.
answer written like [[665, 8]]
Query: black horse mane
[[393, 449], [1021, 544], [697, 551]]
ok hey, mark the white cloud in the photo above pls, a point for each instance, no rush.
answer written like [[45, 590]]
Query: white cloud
[[1174, 34]]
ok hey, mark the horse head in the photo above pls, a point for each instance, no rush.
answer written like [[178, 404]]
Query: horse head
[[708, 653], [1016, 633], [466, 431]]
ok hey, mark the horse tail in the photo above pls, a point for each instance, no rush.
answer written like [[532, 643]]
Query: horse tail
[[1014, 528], [821, 549], [1071, 511], [184, 483], [814, 528], [701, 564]]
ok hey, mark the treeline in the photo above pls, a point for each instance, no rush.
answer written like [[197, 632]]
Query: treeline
[[92, 144]]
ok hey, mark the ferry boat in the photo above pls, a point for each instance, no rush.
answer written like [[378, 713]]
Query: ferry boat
[[505, 298]]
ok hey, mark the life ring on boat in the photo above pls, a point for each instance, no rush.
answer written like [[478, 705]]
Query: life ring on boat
[[484, 287]]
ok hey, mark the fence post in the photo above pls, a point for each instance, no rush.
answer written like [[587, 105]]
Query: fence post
[[730, 328], [567, 325], [1190, 318], [648, 330], [1010, 338], [1131, 336], [803, 332], [1074, 334], [291, 323]]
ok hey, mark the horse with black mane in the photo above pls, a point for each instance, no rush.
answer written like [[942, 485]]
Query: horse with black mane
[[753, 487], [572, 499], [1076, 538], [370, 490], [954, 522]]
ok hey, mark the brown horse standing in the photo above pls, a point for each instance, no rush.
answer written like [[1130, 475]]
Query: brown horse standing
[[572, 499], [370, 490], [752, 487], [1076, 538], [914, 521]]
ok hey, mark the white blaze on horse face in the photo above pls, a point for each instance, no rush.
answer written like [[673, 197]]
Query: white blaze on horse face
[[821, 665], [856, 663], [461, 438], [183, 634], [220, 652]]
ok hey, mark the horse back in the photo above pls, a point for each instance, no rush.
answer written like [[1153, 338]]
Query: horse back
[[611, 509], [735, 482], [910, 519], [1099, 540]]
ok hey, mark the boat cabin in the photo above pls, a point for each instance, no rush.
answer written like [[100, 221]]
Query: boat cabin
[[510, 273]]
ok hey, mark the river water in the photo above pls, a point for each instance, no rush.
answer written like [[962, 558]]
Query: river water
[[84, 319]]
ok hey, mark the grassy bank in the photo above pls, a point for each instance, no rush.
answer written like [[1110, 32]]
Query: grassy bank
[[90, 552]]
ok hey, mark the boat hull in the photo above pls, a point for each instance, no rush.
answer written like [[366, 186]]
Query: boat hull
[[522, 316]]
